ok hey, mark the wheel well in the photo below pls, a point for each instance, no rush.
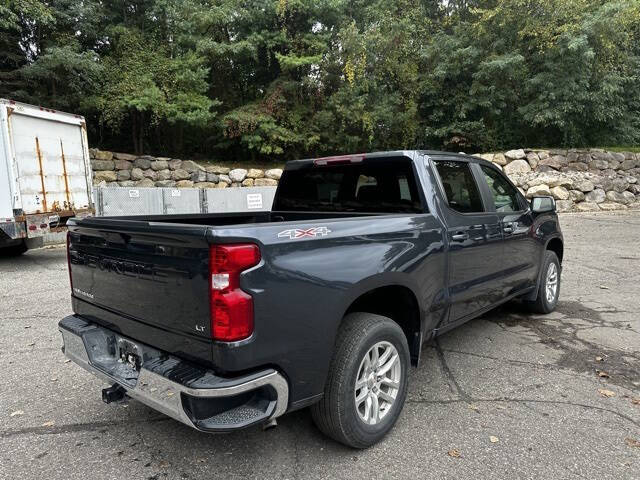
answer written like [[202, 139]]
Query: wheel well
[[399, 304], [555, 245]]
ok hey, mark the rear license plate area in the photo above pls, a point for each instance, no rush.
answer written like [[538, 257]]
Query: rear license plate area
[[129, 354], [117, 357]]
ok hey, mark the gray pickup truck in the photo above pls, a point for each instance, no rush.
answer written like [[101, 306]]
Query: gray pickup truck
[[223, 321]]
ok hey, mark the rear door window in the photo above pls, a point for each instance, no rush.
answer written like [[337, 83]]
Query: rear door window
[[459, 186], [369, 186]]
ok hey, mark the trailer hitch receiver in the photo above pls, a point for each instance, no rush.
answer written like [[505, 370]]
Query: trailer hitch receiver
[[114, 393]]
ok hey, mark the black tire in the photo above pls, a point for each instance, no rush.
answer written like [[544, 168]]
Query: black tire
[[336, 415], [14, 250], [542, 304]]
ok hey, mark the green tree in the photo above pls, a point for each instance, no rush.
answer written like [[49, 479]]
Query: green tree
[[147, 86], [280, 79]]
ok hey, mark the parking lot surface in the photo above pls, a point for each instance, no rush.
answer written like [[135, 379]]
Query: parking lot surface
[[509, 395]]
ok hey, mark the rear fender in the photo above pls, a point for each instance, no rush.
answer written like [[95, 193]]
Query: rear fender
[[390, 279]]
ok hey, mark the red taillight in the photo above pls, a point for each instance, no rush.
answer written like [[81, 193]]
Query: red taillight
[[231, 308], [69, 260]]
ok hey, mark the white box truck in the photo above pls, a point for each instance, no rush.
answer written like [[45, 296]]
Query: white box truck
[[45, 173]]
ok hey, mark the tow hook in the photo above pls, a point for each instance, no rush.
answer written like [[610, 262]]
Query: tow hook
[[114, 393]]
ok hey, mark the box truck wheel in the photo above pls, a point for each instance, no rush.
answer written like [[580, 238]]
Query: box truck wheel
[[14, 250]]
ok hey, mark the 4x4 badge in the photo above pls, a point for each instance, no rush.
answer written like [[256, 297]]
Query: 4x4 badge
[[313, 232]]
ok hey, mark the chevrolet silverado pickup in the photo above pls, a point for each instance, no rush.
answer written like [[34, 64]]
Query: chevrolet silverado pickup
[[223, 321]]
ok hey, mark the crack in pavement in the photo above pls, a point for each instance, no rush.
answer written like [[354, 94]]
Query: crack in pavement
[[454, 387], [472, 400], [541, 366], [578, 354], [75, 427]]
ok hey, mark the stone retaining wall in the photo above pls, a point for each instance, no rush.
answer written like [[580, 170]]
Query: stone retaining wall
[[580, 180], [112, 169]]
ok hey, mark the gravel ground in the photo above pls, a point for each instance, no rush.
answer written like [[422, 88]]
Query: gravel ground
[[509, 395]]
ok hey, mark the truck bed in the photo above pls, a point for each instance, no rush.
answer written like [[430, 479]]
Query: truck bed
[[146, 277]]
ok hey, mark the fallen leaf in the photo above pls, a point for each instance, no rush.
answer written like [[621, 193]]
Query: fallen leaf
[[599, 359], [27, 326], [454, 452], [30, 344], [606, 393], [67, 360], [474, 408], [632, 443], [201, 460], [17, 412], [602, 374], [163, 464], [604, 287], [501, 407], [170, 394], [54, 379], [493, 439], [48, 424], [635, 401]]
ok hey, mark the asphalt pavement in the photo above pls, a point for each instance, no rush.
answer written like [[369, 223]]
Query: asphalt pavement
[[509, 395]]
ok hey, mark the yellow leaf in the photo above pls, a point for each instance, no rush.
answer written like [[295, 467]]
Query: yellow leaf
[[493, 439], [48, 424], [454, 452], [606, 393], [632, 443], [17, 412]]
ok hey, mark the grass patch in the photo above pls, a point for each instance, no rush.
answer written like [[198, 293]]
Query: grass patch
[[622, 149]]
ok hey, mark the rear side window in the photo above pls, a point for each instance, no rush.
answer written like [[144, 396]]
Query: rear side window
[[370, 186], [505, 196], [459, 186]]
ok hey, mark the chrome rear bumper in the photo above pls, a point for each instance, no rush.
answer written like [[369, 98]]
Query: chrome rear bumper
[[179, 389]]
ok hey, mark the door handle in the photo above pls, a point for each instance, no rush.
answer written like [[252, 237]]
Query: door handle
[[459, 237]]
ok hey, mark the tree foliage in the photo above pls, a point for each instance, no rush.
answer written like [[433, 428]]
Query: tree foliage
[[280, 79]]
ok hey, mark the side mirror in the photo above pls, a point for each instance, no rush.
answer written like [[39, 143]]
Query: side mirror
[[543, 204]]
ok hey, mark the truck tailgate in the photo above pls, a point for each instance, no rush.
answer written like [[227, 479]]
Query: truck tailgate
[[147, 280]]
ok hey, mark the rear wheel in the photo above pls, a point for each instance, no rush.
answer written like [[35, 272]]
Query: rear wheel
[[367, 382], [549, 288]]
